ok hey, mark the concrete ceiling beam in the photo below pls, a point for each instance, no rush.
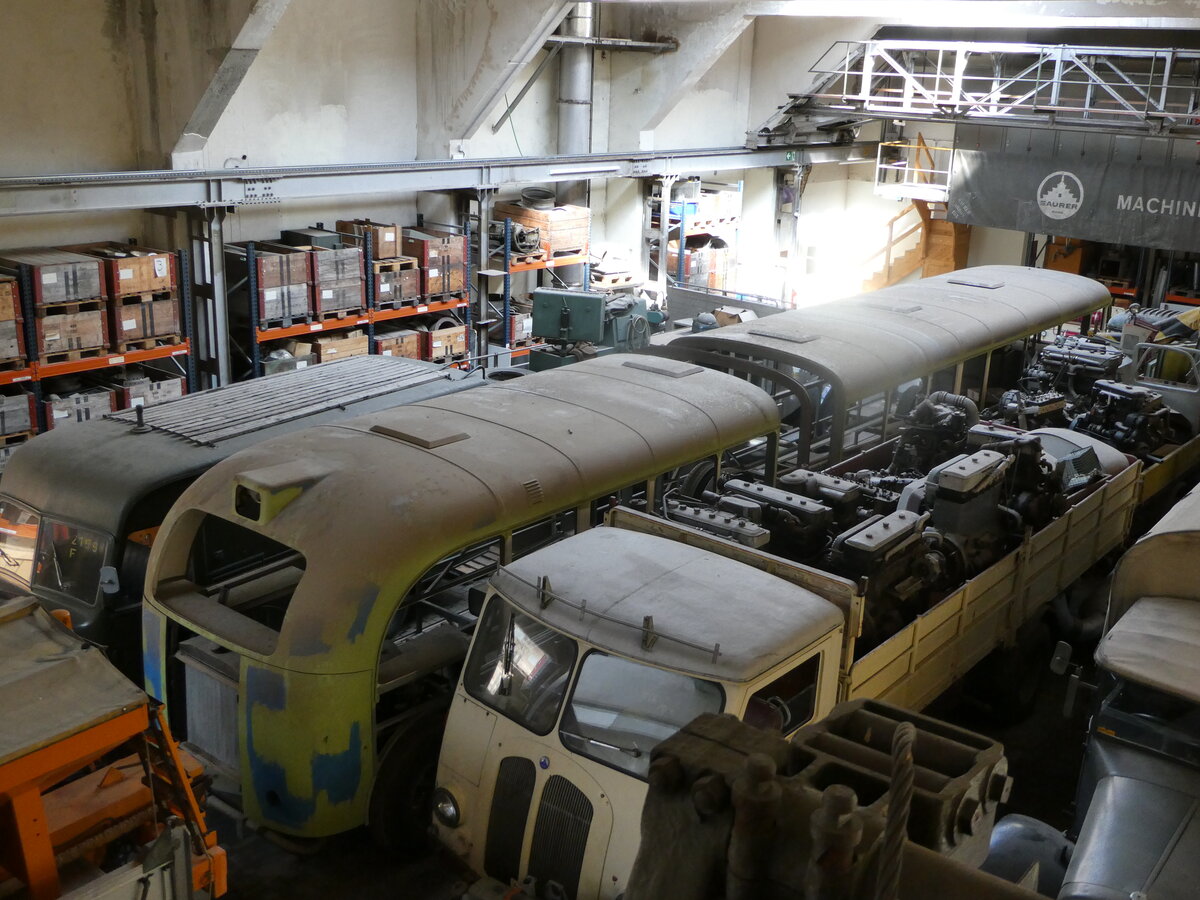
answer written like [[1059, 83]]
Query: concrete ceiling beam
[[260, 23], [469, 52]]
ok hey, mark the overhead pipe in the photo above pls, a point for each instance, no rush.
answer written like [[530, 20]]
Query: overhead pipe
[[575, 96]]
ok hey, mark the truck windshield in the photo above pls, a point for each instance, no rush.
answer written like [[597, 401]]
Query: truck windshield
[[620, 710], [519, 667], [40, 552]]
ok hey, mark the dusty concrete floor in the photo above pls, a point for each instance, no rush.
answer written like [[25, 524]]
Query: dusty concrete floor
[[1044, 754]]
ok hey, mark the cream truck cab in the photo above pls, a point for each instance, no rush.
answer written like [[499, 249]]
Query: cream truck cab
[[588, 654]]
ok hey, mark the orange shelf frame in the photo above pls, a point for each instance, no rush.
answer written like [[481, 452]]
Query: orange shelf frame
[[16, 376], [376, 315], [576, 259], [47, 370]]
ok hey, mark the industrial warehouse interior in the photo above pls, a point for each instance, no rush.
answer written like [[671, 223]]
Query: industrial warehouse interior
[[685, 450]]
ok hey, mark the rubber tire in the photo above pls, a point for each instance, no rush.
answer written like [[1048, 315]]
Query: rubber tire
[[400, 815], [1009, 680]]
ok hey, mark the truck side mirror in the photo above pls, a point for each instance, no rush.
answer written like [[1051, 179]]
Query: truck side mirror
[[1061, 659], [109, 582]]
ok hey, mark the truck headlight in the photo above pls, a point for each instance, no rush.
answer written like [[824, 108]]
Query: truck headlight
[[445, 807]]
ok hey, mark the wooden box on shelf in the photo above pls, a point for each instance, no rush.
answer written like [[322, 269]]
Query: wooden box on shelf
[[444, 279], [275, 265], [142, 320], [330, 267], [130, 269], [434, 248], [385, 239], [143, 386], [59, 276], [71, 327], [10, 298], [564, 228], [17, 411], [80, 406], [445, 343], [299, 360], [286, 302], [336, 346], [404, 342]]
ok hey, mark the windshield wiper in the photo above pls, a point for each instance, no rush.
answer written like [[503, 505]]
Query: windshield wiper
[[8, 560], [630, 751]]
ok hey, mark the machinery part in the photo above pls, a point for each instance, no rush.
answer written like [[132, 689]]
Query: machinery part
[[724, 524], [704, 322], [1131, 418], [1019, 840], [936, 427], [402, 798], [957, 401], [522, 238], [899, 799], [792, 825], [842, 496], [537, 198]]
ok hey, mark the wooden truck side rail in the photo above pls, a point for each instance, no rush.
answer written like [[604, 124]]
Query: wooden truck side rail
[[923, 659]]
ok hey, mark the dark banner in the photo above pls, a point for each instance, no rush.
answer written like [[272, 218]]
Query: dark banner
[[1142, 205]]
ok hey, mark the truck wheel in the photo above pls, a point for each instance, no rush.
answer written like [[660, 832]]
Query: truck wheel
[[401, 810], [1010, 679]]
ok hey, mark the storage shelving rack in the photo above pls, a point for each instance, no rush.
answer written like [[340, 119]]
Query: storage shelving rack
[[550, 262], [370, 317], [33, 374]]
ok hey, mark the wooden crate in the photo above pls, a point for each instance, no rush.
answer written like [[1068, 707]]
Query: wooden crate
[[72, 331], [18, 413], [443, 279], [81, 406], [444, 343], [311, 237], [286, 302], [10, 299], [12, 340], [333, 268], [397, 287], [434, 248], [385, 239], [130, 269], [352, 343], [563, 227], [9, 449], [275, 265], [338, 300], [403, 342], [143, 386], [59, 276], [275, 365], [142, 320]]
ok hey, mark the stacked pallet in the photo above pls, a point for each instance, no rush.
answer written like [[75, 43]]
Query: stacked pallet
[[441, 258], [142, 288], [397, 279], [565, 230], [282, 293], [71, 320], [18, 416], [335, 272], [12, 325]]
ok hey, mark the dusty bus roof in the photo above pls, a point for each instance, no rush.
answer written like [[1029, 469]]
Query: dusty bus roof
[[871, 342], [404, 487], [695, 596], [190, 434]]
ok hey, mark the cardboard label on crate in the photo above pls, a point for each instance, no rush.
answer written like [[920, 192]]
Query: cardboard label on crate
[[386, 353], [327, 295], [128, 324], [389, 235], [437, 343], [52, 336], [160, 266], [49, 278], [433, 273], [62, 414], [302, 364], [271, 294], [432, 252], [385, 288], [136, 401], [124, 273]]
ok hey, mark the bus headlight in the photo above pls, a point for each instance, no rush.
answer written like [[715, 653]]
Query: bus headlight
[[445, 807]]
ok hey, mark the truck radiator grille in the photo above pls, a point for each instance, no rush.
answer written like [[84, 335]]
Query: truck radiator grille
[[506, 825], [560, 835], [211, 705]]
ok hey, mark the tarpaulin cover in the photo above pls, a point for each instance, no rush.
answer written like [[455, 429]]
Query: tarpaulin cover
[[1155, 644], [52, 684]]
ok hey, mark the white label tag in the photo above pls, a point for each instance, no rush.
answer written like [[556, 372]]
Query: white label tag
[[124, 273], [386, 353], [62, 414], [329, 351], [137, 401], [271, 294], [422, 308], [389, 235], [115, 360], [128, 324], [52, 336], [49, 278], [316, 327], [302, 364], [385, 289], [437, 343], [432, 252], [327, 295], [160, 266], [433, 273]]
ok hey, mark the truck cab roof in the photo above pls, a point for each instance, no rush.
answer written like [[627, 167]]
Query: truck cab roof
[[1154, 644], [712, 617]]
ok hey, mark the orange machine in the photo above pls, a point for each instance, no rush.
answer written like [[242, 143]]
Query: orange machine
[[92, 785]]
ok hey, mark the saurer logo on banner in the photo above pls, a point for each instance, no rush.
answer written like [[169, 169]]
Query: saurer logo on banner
[[1060, 195]]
